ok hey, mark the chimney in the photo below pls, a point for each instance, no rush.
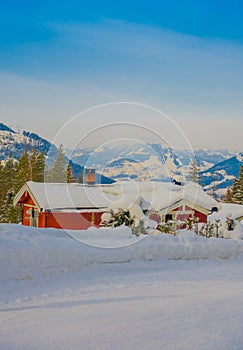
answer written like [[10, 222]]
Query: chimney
[[90, 176]]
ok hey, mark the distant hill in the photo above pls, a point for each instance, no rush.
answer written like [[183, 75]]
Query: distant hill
[[219, 167], [12, 142], [135, 161], [222, 174], [145, 162], [206, 158], [138, 161], [4, 127]]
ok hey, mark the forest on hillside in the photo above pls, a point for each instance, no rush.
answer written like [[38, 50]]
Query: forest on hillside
[[31, 166]]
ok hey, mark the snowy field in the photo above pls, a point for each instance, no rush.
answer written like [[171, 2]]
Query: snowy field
[[153, 292]]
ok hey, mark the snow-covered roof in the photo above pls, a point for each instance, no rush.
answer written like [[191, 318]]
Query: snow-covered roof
[[235, 211], [55, 196], [149, 195], [160, 195]]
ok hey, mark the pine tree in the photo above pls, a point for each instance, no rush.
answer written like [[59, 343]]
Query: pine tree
[[58, 172], [8, 212], [2, 187], [70, 177], [228, 195], [37, 166], [13, 175], [121, 217], [194, 172], [9, 173], [237, 189], [80, 177], [23, 170]]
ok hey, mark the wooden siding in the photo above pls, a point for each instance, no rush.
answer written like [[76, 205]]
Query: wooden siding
[[73, 221]]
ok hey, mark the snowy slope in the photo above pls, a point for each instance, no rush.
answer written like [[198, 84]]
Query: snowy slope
[[12, 142], [140, 161], [151, 161], [222, 175]]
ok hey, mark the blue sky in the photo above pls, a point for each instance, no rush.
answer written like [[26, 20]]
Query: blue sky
[[185, 58]]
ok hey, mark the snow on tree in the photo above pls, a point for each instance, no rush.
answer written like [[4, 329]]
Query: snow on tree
[[228, 195], [37, 166], [58, 170], [8, 190], [70, 177], [229, 222], [194, 169], [9, 213], [13, 174], [207, 229], [23, 169], [237, 188], [192, 223], [116, 217]]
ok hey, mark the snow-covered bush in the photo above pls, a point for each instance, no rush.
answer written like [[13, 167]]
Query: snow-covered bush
[[116, 218], [166, 227], [207, 230]]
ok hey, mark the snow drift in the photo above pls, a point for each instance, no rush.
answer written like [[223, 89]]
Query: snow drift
[[27, 252]]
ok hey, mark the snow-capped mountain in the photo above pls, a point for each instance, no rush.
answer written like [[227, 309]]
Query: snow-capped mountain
[[222, 175], [206, 158], [139, 161], [134, 161], [153, 161], [14, 143]]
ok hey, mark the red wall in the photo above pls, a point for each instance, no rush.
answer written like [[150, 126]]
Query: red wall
[[183, 217], [25, 216], [73, 221], [155, 217], [202, 217]]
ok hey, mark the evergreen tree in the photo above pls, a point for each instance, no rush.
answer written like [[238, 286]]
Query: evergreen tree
[[70, 177], [2, 184], [80, 177], [37, 166], [121, 217], [228, 195], [9, 173], [194, 171], [8, 212], [58, 172], [23, 170], [13, 175], [237, 189], [2, 187]]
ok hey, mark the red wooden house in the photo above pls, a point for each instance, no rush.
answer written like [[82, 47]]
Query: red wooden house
[[189, 201], [76, 206], [61, 205]]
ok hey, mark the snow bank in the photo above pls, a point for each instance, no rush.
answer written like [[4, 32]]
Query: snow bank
[[26, 253], [233, 211]]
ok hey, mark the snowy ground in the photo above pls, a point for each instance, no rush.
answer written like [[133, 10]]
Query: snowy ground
[[59, 293]]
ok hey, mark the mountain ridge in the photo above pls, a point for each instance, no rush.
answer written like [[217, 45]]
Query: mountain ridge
[[13, 143], [138, 161]]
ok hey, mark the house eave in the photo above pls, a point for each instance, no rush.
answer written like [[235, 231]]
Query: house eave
[[21, 192]]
